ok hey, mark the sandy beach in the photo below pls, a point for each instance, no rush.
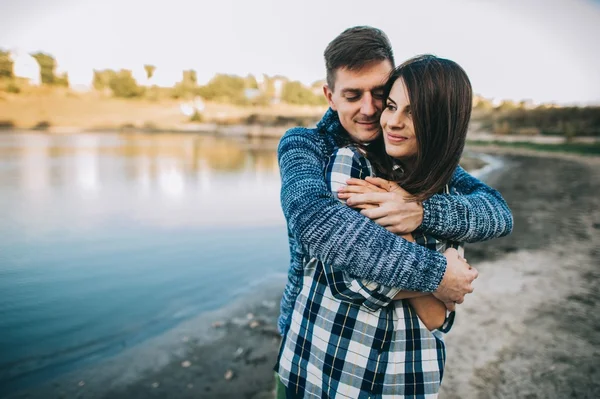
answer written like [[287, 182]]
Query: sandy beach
[[530, 329]]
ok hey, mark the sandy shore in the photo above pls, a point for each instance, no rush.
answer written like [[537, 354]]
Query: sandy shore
[[530, 329]]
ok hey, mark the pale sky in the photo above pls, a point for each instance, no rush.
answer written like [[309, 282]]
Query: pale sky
[[544, 50]]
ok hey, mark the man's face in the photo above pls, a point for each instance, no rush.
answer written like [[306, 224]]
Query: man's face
[[358, 99]]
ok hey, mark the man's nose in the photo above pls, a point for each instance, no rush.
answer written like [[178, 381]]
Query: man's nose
[[368, 105]]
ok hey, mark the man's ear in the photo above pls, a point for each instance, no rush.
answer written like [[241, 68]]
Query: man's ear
[[329, 96]]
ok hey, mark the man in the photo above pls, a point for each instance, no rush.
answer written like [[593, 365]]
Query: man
[[358, 63]]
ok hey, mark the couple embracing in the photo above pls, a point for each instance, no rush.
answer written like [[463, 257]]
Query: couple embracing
[[378, 210]]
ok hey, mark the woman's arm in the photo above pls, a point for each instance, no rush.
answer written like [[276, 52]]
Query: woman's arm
[[409, 294], [430, 310]]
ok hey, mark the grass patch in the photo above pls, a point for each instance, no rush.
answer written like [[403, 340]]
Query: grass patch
[[573, 148]]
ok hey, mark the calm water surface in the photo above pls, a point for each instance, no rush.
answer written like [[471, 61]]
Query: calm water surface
[[109, 239]]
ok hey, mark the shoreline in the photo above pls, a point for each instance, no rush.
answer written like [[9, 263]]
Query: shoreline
[[528, 330], [267, 132], [249, 131], [159, 364]]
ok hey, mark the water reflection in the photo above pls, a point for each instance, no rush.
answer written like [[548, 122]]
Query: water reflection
[[222, 180], [106, 239]]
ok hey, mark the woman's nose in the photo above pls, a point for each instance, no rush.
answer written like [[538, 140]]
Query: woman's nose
[[396, 121]]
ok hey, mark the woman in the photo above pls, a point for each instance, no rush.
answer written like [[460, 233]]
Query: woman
[[349, 338]]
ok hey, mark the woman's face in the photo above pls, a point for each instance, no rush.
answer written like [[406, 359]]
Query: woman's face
[[397, 124]]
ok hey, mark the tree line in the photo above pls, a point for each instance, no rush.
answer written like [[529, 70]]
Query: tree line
[[525, 119], [506, 118], [221, 88]]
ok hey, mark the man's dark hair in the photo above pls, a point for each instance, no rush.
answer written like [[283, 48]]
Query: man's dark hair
[[441, 100], [354, 48]]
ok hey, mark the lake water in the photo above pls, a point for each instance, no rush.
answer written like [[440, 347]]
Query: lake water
[[108, 239]]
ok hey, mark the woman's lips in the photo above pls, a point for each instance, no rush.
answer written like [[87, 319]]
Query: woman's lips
[[395, 139]]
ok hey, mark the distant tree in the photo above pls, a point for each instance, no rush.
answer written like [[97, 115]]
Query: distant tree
[[188, 86], [251, 82], [190, 78], [124, 85], [507, 105], [62, 80], [6, 65], [482, 103], [47, 65], [268, 87], [318, 84], [296, 93], [502, 128], [224, 88], [570, 131], [102, 78], [149, 70]]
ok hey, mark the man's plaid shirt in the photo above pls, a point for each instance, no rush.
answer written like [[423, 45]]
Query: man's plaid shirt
[[348, 338]]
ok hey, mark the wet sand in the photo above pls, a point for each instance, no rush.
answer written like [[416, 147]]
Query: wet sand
[[530, 329]]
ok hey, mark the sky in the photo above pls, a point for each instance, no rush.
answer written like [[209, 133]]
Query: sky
[[540, 50]]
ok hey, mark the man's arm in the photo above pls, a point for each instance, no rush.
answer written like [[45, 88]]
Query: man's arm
[[478, 214], [338, 235]]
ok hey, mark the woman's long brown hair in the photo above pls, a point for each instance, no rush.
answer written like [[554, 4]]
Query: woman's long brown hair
[[441, 99]]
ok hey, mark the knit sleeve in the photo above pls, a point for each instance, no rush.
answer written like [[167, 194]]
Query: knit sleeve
[[478, 214], [339, 236]]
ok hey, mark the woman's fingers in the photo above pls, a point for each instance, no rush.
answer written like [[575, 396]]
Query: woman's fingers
[[358, 190], [386, 184], [358, 184], [369, 198], [379, 182], [365, 206], [375, 214]]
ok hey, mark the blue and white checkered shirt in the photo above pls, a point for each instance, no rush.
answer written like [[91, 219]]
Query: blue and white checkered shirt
[[348, 338]]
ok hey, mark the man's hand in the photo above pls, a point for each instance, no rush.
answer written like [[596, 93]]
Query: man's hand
[[384, 202], [457, 281]]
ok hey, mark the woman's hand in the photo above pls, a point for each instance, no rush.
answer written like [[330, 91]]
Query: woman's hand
[[386, 185], [386, 203], [359, 186]]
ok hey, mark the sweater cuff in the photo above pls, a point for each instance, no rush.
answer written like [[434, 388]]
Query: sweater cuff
[[434, 271], [432, 216]]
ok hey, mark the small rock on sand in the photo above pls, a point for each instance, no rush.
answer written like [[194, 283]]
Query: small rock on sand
[[228, 375], [186, 363]]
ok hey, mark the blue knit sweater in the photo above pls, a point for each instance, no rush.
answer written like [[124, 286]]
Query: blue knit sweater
[[319, 226]]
